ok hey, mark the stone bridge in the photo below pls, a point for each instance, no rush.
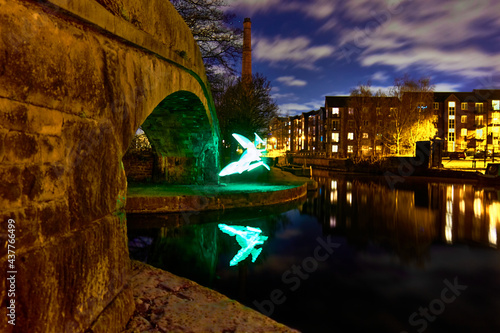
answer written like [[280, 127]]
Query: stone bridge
[[77, 78]]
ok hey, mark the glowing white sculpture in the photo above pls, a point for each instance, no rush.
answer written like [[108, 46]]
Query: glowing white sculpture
[[249, 160], [247, 238]]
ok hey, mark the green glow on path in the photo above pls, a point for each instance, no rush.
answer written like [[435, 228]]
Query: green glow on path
[[247, 238], [249, 160]]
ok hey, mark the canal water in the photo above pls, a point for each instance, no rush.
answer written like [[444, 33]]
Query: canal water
[[356, 256]]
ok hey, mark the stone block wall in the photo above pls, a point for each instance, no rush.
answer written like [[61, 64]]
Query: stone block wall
[[74, 87], [139, 165]]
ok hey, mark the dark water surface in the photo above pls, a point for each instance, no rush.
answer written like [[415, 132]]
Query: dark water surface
[[354, 257]]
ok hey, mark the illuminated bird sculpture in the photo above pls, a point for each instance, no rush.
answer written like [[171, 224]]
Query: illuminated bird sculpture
[[249, 160], [247, 238]]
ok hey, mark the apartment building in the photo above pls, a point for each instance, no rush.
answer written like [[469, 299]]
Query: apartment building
[[365, 126], [470, 120]]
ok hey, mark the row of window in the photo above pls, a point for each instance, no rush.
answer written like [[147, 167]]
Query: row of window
[[350, 149], [479, 107], [350, 111], [350, 136], [464, 132], [478, 119], [495, 104]]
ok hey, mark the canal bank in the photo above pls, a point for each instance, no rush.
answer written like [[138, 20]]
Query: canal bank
[[391, 167], [273, 187]]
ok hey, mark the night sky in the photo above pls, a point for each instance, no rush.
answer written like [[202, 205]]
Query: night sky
[[309, 49]]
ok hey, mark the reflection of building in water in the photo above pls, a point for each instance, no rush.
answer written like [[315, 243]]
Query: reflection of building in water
[[471, 214], [405, 221]]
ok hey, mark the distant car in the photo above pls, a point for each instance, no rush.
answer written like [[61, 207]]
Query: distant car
[[455, 155]]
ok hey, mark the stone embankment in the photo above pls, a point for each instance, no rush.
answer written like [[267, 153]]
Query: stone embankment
[[169, 303], [268, 188]]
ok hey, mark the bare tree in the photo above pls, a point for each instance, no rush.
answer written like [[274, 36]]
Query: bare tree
[[245, 108], [411, 112], [220, 42]]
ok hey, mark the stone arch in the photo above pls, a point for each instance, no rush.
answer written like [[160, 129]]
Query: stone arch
[[180, 133]]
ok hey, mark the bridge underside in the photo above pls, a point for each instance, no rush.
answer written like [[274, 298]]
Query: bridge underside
[[181, 136]]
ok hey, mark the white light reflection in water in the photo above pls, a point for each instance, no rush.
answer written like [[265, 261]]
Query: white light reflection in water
[[333, 193], [494, 209], [333, 196], [448, 234], [462, 206], [349, 198], [478, 205]]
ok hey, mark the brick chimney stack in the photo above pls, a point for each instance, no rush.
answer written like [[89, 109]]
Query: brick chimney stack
[[246, 72]]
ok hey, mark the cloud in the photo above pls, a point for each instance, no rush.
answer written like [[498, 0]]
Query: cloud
[[291, 81], [384, 89], [288, 96], [338, 93], [250, 7], [297, 108], [469, 62], [295, 50], [423, 34], [379, 76], [317, 9], [331, 24], [447, 86]]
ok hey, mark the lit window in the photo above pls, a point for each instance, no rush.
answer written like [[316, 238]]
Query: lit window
[[451, 108], [465, 106], [479, 120], [479, 134], [479, 107], [351, 111], [451, 123], [393, 110], [350, 136], [451, 137], [464, 119], [463, 145], [335, 111], [350, 149], [495, 118], [335, 149], [365, 135], [335, 137], [464, 132], [496, 105], [436, 106]]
